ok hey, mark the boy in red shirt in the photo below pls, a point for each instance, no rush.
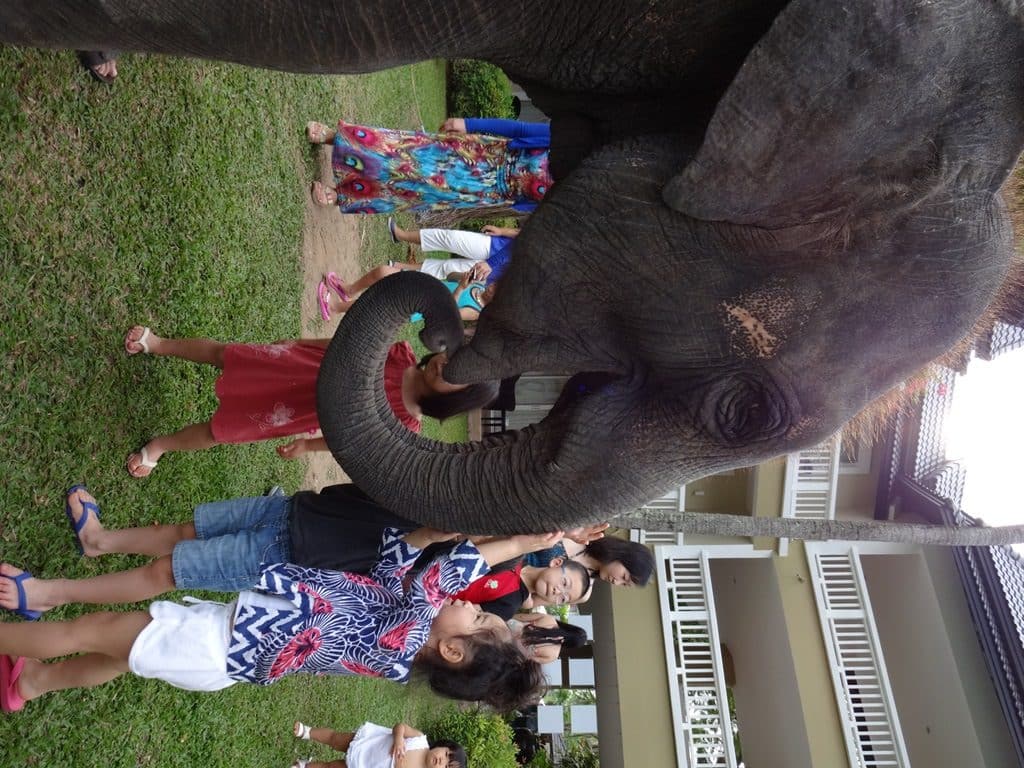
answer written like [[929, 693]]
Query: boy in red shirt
[[525, 586]]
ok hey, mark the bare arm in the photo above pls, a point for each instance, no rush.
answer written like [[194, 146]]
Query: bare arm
[[399, 734], [423, 537], [506, 548], [456, 124], [403, 731], [490, 229]]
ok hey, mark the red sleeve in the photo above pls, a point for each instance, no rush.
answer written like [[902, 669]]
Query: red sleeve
[[491, 586], [400, 358]]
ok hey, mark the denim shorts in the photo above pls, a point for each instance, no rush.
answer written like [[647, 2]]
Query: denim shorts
[[233, 538]]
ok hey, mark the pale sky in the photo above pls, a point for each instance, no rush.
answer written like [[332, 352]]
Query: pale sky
[[985, 430]]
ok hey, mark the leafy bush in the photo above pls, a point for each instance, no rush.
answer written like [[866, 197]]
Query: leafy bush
[[478, 89], [487, 738], [581, 753]]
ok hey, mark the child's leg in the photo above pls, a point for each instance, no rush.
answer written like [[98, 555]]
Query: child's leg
[[109, 634], [194, 437], [337, 740], [130, 586], [152, 540], [206, 351], [86, 671], [360, 285], [406, 235]]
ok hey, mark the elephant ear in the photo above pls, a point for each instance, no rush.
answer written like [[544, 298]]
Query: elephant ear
[[851, 108]]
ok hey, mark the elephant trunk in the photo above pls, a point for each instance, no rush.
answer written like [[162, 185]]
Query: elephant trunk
[[484, 487], [290, 35]]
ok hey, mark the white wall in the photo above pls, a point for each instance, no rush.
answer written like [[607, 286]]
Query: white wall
[[924, 673], [751, 624]]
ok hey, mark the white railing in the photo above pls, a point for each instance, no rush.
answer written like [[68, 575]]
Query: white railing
[[700, 710], [866, 708], [809, 489]]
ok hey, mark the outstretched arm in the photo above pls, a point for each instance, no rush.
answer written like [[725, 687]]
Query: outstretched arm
[[421, 538], [512, 129], [506, 548], [490, 229], [301, 446]]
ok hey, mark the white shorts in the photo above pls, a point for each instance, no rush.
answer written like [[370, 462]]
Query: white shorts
[[475, 246], [441, 268], [186, 646]]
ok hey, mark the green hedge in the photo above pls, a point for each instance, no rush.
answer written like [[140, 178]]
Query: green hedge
[[581, 753], [478, 89], [487, 738]]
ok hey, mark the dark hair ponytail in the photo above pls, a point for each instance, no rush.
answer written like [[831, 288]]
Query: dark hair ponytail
[[563, 634], [495, 672]]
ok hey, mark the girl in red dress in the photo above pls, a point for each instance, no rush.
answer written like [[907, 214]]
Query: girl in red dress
[[269, 390]]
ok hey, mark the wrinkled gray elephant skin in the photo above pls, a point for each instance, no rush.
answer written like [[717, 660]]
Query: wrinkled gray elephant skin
[[787, 211]]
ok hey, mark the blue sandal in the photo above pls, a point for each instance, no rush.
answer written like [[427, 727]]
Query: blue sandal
[[22, 610], [87, 508]]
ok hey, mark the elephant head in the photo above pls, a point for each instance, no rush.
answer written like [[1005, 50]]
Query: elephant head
[[838, 227], [792, 207]]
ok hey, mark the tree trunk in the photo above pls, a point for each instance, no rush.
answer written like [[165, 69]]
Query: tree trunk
[[715, 524]]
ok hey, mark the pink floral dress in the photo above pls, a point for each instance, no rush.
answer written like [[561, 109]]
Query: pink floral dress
[[343, 623], [269, 390]]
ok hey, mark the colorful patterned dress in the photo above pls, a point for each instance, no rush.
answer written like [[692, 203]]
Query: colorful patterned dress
[[383, 170], [343, 623]]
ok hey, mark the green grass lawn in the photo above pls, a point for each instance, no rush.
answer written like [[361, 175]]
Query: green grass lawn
[[174, 198]]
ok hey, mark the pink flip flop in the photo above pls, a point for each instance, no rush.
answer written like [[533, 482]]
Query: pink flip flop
[[335, 284], [10, 671], [323, 298]]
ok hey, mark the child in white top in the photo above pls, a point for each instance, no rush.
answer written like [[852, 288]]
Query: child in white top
[[374, 746]]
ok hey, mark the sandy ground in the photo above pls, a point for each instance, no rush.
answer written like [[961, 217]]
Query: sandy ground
[[330, 241]]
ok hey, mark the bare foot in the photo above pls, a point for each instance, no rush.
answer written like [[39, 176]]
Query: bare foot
[[106, 71], [337, 305], [93, 528], [143, 461], [323, 195], [141, 339], [37, 596], [318, 133]]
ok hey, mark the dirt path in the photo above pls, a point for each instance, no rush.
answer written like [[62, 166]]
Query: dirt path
[[329, 242]]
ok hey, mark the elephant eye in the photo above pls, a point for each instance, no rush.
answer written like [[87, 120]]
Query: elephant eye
[[745, 408]]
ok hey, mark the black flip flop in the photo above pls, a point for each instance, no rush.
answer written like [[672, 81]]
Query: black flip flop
[[92, 59]]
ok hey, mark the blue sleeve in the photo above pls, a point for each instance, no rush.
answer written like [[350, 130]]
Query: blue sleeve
[[501, 252], [512, 129], [543, 558], [396, 557]]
